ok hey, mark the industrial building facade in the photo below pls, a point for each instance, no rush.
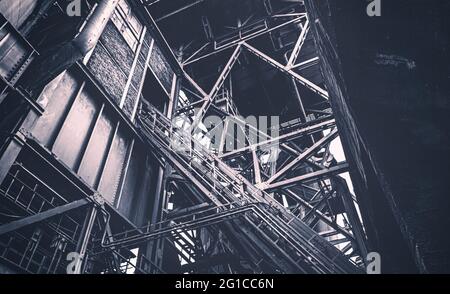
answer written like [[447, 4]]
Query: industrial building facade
[[199, 136]]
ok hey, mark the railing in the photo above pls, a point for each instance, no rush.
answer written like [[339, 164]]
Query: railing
[[36, 250], [241, 34], [233, 197], [23, 189], [146, 266]]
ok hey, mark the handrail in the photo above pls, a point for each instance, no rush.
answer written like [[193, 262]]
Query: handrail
[[233, 196]]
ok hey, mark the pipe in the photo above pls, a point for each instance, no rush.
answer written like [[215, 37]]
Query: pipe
[[49, 67], [85, 237], [88, 37]]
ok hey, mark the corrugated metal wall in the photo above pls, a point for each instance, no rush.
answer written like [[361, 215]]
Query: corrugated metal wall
[[81, 125], [18, 11], [87, 135]]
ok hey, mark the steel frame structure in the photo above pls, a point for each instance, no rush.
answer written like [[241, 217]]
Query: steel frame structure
[[321, 180], [219, 184], [292, 215]]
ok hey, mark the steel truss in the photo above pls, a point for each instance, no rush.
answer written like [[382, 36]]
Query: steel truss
[[291, 215], [224, 188], [299, 195]]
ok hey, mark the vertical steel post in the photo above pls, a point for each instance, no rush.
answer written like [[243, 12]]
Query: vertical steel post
[[85, 237]]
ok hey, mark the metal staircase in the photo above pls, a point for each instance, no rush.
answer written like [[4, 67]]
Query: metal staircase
[[235, 204]]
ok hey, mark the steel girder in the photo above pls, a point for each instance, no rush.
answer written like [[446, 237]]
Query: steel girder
[[206, 172], [33, 219]]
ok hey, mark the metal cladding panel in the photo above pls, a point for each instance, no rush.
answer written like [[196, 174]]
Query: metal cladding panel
[[131, 181], [97, 151], [13, 52], [56, 99], [86, 137], [142, 199], [137, 187], [72, 139], [17, 11], [114, 168]]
